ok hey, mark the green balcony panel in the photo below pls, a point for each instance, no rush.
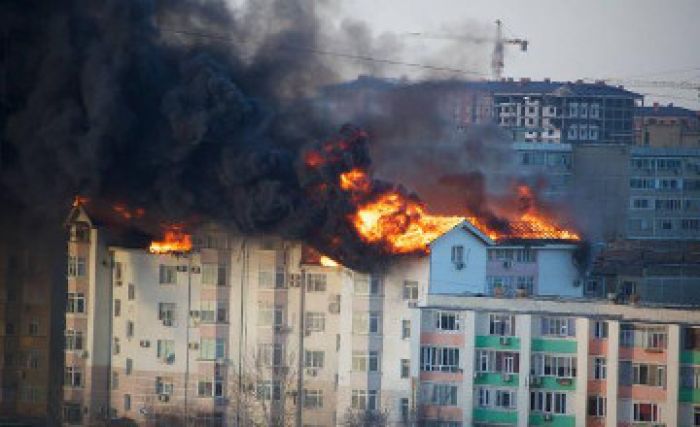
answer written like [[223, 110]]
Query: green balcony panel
[[495, 417], [494, 342], [690, 357], [496, 379], [553, 346], [557, 420], [689, 395], [552, 383]]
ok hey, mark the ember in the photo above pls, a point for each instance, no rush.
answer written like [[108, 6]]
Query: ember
[[174, 240]]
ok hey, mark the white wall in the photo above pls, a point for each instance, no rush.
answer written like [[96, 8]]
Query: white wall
[[444, 277], [557, 272]]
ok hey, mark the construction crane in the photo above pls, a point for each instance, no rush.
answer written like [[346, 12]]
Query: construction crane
[[499, 42]]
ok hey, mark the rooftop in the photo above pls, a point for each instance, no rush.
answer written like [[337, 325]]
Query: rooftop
[[664, 111]]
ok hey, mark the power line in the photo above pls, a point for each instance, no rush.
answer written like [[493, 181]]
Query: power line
[[345, 55]]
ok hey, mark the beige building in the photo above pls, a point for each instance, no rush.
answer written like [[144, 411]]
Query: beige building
[[667, 126], [217, 335]]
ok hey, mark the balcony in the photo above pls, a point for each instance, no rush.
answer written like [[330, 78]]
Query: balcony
[[503, 379], [495, 416], [497, 342], [553, 420]]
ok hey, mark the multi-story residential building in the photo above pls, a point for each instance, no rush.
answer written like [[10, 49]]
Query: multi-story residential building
[[547, 166], [465, 260], [529, 111], [667, 126], [223, 334], [637, 192], [30, 350], [548, 361]]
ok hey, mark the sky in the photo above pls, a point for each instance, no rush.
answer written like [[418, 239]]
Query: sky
[[627, 40]]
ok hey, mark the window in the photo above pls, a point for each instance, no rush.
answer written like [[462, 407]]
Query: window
[[642, 183], [405, 329], [457, 254], [165, 350], [315, 282], [365, 361], [115, 380], [117, 307], [645, 412], [164, 385], [600, 330], [315, 321], [270, 355], [33, 328], [208, 311], [212, 348], [166, 313], [129, 366], [445, 359], [118, 273], [72, 413], [74, 340], [365, 400], [690, 377], [208, 387], [558, 326], [366, 323], [596, 406], [446, 321], [131, 295], [573, 132], [553, 366], [497, 361], [33, 357], [548, 402], [269, 316], [583, 132], [75, 302], [505, 399], [599, 368], [127, 402], [405, 368], [594, 111], [129, 329], [313, 399], [649, 374], [410, 290], [484, 395], [501, 324], [368, 286], [573, 109], [269, 390], [593, 132], [313, 359], [80, 232], [639, 204], [73, 376], [167, 274], [696, 416], [116, 348], [441, 394], [213, 274], [76, 266], [405, 409]]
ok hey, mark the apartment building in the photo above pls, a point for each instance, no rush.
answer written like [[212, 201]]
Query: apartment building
[[464, 260], [223, 334], [488, 361], [667, 126], [546, 166]]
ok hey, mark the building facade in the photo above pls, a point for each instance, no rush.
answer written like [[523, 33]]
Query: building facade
[[667, 126], [496, 361]]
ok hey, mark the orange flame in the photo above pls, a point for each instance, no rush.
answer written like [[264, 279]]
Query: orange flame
[[80, 201], [127, 213], [174, 240], [403, 225], [328, 262]]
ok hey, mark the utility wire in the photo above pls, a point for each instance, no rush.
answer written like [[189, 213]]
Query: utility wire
[[345, 55]]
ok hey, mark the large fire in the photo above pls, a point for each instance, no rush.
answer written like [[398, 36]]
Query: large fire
[[403, 225], [174, 240]]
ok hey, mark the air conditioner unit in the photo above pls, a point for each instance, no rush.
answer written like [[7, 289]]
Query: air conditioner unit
[[182, 268], [506, 377], [412, 304], [193, 346], [312, 372], [507, 264], [334, 308], [196, 270], [167, 322], [163, 397], [145, 343], [534, 380], [84, 354], [169, 359], [282, 328], [459, 265], [548, 417], [505, 340], [294, 280], [194, 314]]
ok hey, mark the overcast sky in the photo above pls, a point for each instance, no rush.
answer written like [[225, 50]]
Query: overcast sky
[[624, 39]]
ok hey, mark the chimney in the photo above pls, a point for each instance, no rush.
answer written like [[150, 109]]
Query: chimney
[[547, 80], [579, 81], [656, 106], [510, 79], [670, 104]]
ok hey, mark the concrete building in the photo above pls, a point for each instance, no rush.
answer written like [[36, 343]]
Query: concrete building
[[666, 126], [550, 361], [465, 260], [217, 335], [546, 166]]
